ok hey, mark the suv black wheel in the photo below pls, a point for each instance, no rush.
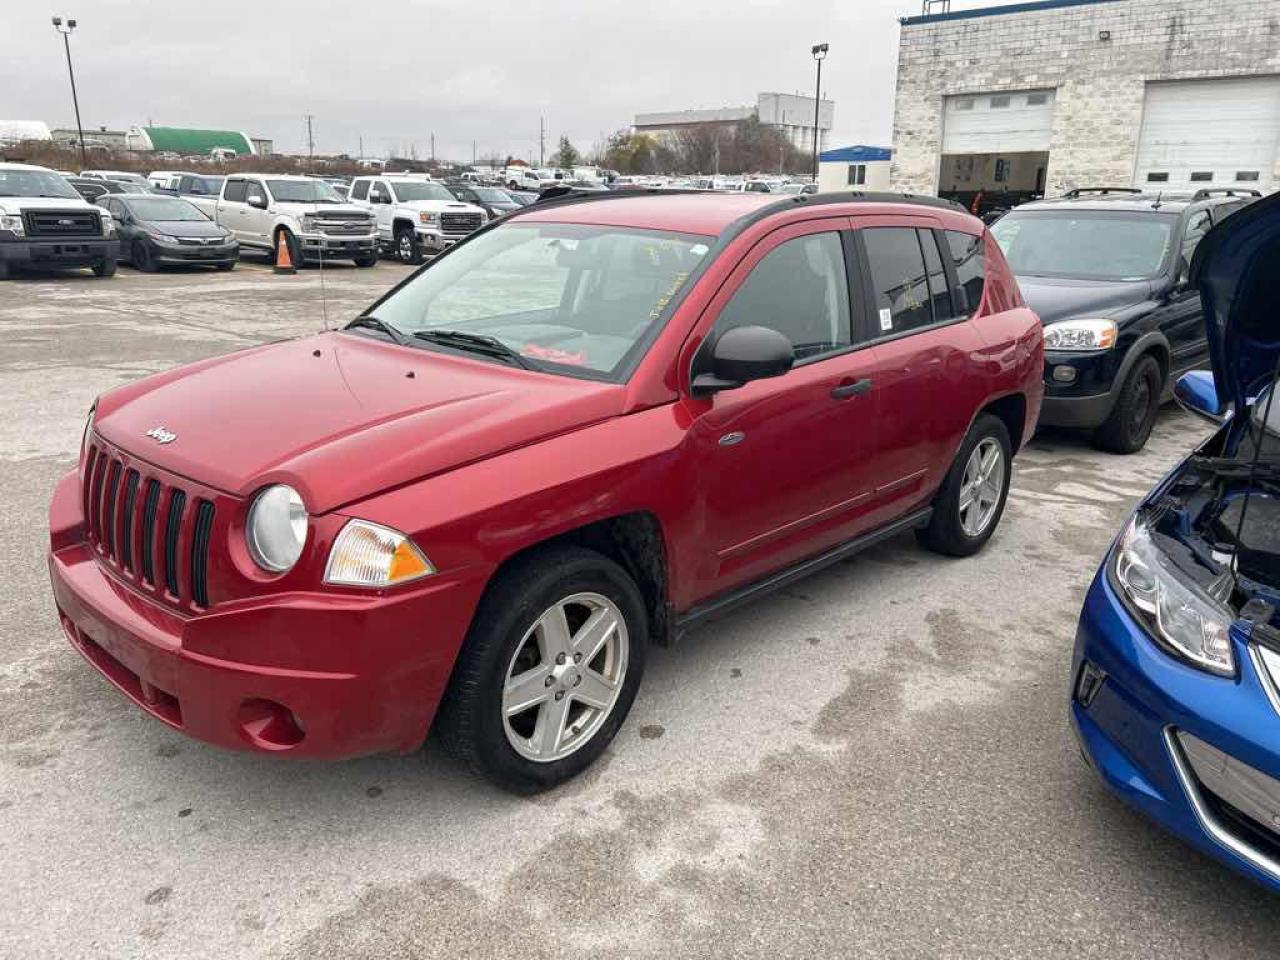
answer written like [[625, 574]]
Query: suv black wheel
[[408, 249], [1131, 420], [548, 671], [971, 501]]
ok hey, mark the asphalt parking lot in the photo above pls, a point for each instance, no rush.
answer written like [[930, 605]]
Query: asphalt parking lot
[[875, 762]]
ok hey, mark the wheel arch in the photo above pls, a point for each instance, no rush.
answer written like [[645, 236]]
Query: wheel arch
[[1011, 410], [636, 542], [401, 222]]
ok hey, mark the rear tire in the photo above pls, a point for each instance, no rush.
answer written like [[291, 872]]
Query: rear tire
[[558, 735], [1131, 420], [107, 268], [971, 501]]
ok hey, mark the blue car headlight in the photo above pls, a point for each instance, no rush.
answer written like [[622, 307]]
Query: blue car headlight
[[1176, 611]]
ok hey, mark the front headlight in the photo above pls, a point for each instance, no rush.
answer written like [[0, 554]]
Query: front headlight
[[1176, 610], [88, 425], [277, 528], [1080, 335], [308, 223], [13, 224], [429, 218], [108, 224], [370, 555]]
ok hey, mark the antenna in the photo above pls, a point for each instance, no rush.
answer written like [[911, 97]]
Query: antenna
[[324, 295]]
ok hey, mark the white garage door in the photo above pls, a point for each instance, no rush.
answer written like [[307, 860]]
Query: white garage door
[[1209, 133], [1017, 121]]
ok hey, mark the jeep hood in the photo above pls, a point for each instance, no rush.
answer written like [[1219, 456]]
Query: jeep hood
[[341, 416], [1055, 299], [1237, 270]]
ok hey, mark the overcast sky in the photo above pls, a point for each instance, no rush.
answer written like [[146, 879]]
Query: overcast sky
[[394, 73]]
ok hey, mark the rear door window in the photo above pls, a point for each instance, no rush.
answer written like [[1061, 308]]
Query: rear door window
[[898, 280], [969, 259]]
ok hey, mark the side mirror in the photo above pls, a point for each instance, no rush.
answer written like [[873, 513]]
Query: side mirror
[[257, 200], [1196, 392], [744, 354]]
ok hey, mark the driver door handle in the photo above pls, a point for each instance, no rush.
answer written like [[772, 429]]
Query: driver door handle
[[847, 390]]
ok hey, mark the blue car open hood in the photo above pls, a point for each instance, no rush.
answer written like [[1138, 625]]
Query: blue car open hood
[[1237, 269]]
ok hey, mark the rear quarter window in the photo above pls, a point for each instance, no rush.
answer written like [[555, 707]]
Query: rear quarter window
[[968, 254]]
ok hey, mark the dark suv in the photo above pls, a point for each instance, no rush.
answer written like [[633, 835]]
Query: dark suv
[[1106, 270]]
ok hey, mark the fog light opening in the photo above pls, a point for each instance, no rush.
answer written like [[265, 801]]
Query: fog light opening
[[1088, 683], [1064, 374], [269, 725]]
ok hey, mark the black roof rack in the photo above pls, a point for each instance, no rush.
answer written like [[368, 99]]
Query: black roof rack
[[1208, 192], [1102, 191], [566, 195]]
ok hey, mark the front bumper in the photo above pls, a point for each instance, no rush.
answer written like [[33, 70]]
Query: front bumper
[[1086, 400], [196, 253], [1133, 732], [339, 247], [69, 252], [307, 674]]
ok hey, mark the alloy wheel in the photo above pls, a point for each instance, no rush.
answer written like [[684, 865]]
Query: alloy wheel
[[564, 677], [981, 487]]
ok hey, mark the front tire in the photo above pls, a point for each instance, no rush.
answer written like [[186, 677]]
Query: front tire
[[549, 669], [1131, 420], [368, 260], [142, 257], [408, 249], [107, 268], [971, 501]]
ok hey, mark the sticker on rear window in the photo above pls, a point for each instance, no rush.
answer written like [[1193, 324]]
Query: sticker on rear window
[[886, 318]]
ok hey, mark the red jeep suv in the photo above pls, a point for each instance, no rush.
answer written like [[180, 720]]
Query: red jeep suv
[[592, 424]]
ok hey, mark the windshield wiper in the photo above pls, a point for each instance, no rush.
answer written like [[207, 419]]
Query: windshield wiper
[[369, 322], [477, 343]]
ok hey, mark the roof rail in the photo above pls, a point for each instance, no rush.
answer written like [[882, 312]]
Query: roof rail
[[1080, 191], [1208, 192]]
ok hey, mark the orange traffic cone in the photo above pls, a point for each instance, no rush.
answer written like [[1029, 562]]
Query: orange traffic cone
[[284, 263]]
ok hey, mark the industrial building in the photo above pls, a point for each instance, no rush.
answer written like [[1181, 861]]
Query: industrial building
[[854, 168], [189, 142], [790, 113], [1036, 98]]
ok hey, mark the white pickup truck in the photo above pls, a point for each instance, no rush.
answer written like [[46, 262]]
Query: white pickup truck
[[45, 223], [261, 208], [415, 215]]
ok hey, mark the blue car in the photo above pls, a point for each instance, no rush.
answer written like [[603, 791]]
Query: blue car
[[1175, 689]]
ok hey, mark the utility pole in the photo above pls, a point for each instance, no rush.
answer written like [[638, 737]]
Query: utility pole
[[311, 143], [433, 149], [75, 101], [542, 142], [473, 153], [361, 139]]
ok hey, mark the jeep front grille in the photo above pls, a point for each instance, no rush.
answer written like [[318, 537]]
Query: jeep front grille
[[161, 548]]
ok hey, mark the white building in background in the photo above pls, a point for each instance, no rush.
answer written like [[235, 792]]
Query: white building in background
[[790, 113], [1039, 97], [854, 168], [16, 131]]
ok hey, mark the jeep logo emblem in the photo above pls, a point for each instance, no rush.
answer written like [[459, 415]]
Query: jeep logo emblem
[[161, 435]]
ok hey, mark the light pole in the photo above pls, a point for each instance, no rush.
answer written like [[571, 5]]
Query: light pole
[[819, 54], [66, 42]]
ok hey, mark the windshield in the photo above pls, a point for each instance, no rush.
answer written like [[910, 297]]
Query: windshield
[[1085, 244], [491, 195], [35, 183], [303, 191], [164, 208], [572, 297], [407, 192]]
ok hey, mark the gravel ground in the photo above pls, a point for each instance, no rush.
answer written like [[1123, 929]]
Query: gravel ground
[[875, 762]]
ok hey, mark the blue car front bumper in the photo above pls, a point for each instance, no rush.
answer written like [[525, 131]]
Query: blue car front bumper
[[1135, 728]]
